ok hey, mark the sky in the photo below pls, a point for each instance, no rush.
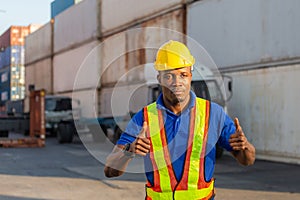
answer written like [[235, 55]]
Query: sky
[[23, 13]]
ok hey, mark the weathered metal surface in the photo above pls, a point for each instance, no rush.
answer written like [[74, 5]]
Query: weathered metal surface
[[131, 49], [118, 13], [67, 65], [113, 59], [266, 102], [170, 26], [37, 114], [99, 18], [246, 32], [38, 45], [76, 25], [40, 75]]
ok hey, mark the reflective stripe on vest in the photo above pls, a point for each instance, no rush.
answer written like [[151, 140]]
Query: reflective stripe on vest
[[192, 184]]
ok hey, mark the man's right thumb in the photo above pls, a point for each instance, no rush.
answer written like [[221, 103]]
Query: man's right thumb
[[143, 131]]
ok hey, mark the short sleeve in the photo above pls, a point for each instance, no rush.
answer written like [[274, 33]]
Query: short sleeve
[[133, 129], [220, 128], [227, 130]]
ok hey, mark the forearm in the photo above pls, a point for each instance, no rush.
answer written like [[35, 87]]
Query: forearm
[[246, 156], [116, 163]]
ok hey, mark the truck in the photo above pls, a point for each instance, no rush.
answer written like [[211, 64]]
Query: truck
[[60, 113]]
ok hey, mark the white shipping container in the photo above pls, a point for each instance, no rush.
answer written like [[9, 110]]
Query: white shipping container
[[76, 25], [266, 103], [88, 101], [71, 71], [246, 32], [38, 74], [118, 13], [90, 19], [113, 58], [137, 46], [160, 30], [38, 44], [120, 100]]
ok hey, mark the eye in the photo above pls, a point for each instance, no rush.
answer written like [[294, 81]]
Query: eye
[[167, 76], [184, 75]]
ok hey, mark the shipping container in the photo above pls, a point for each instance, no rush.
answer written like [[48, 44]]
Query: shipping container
[[5, 39], [17, 93], [113, 59], [12, 55], [38, 45], [5, 55], [265, 101], [17, 82], [67, 65], [77, 25], [116, 14], [237, 34], [17, 55], [33, 27], [5, 96], [15, 35], [40, 75], [240, 33], [59, 6], [137, 46], [5, 76], [91, 19], [134, 97], [18, 34]]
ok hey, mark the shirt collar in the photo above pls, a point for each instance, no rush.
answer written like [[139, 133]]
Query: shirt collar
[[160, 103]]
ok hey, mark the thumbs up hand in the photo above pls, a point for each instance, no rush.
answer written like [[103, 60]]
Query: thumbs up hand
[[141, 145], [238, 140]]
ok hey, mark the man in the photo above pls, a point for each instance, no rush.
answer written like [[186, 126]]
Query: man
[[178, 133]]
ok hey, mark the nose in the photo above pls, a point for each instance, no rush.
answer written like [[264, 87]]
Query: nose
[[177, 80]]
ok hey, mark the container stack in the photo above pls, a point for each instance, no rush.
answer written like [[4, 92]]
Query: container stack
[[12, 54], [248, 40]]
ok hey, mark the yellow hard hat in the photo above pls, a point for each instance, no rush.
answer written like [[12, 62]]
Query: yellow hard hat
[[173, 55]]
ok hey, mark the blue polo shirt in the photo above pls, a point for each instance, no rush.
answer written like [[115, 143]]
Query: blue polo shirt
[[176, 127]]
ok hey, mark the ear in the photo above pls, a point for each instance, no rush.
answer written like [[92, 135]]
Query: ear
[[158, 78]]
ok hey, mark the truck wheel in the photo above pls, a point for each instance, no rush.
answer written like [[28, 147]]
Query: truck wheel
[[97, 133], [65, 132]]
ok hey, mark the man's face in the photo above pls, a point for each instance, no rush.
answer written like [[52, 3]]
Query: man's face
[[176, 84]]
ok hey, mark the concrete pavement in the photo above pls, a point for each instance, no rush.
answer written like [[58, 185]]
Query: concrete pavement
[[70, 172]]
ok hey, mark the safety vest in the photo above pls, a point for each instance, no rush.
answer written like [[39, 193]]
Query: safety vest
[[192, 184]]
